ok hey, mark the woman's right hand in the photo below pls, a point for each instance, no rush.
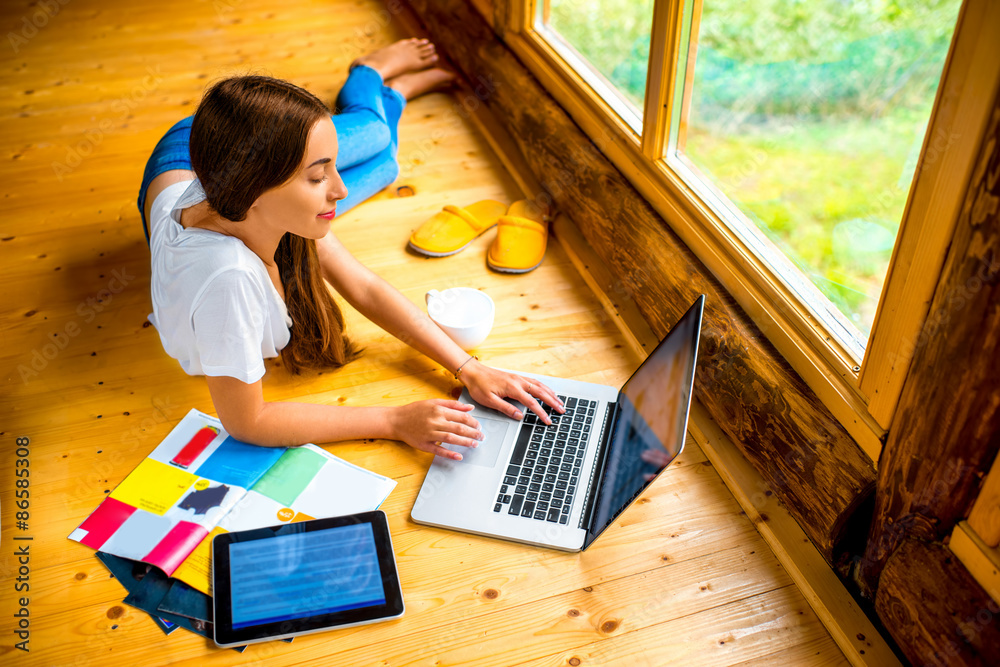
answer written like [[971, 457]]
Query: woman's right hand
[[425, 424]]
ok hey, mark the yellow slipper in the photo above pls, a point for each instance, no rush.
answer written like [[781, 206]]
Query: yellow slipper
[[454, 228], [521, 238]]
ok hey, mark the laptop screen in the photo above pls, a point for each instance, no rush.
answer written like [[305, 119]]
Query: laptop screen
[[652, 420]]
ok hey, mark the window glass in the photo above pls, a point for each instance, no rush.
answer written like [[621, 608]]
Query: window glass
[[610, 39], [809, 118]]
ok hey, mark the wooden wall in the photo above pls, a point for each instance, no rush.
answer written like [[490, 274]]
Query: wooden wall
[[806, 456], [943, 440]]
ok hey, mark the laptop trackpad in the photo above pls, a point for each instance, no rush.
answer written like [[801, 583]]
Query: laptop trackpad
[[489, 447]]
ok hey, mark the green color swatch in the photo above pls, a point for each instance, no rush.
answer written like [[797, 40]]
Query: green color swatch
[[290, 475]]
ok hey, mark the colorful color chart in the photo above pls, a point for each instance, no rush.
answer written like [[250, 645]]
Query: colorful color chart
[[168, 509]]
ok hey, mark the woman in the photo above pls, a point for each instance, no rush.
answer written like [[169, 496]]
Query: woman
[[239, 200]]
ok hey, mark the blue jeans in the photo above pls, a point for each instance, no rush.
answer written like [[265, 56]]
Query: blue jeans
[[366, 119]]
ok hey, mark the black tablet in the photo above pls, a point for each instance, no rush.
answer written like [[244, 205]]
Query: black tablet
[[298, 578]]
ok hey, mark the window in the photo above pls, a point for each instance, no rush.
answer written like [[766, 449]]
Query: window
[[607, 43], [809, 152], [807, 120]]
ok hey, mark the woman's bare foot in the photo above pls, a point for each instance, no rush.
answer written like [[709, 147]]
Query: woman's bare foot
[[414, 84], [406, 55]]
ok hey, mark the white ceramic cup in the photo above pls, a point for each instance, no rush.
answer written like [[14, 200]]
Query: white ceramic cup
[[465, 314]]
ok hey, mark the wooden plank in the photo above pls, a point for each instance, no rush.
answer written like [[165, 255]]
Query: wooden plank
[[765, 407], [985, 516], [981, 560], [710, 638], [690, 61], [594, 619], [806, 654], [935, 610], [847, 622], [663, 36]]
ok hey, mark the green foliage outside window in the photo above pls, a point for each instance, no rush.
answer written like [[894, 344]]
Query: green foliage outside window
[[808, 114]]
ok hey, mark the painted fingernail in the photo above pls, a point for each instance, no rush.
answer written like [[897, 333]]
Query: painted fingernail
[[518, 415], [480, 436]]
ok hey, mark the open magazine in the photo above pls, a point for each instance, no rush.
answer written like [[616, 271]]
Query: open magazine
[[200, 482]]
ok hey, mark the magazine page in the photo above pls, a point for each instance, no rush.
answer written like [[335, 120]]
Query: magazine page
[[177, 495], [305, 483], [308, 482]]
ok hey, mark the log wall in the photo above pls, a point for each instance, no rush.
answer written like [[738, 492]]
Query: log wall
[[935, 610], [946, 432], [943, 439], [786, 432]]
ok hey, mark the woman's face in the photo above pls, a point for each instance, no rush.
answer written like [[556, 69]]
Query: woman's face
[[305, 204]]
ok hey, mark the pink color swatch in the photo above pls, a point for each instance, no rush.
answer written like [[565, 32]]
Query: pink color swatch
[[176, 546], [105, 520]]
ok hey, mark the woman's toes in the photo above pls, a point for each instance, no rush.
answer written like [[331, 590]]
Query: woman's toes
[[415, 84]]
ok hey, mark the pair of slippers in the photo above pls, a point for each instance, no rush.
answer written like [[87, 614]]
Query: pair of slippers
[[519, 247]]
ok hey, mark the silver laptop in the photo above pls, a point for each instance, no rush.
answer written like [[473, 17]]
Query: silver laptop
[[562, 485]]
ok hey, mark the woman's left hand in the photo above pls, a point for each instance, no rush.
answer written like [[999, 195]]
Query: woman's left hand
[[489, 386]]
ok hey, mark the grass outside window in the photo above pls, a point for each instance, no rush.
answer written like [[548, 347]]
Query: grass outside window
[[807, 117], [810, 119]]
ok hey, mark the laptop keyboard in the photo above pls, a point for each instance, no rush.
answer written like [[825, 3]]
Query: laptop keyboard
[[544, 469]]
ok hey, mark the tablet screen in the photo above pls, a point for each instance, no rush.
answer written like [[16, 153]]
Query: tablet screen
[[304, 577], [308, 574]]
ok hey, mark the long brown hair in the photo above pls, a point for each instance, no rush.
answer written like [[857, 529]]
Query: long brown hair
[[248, 136]]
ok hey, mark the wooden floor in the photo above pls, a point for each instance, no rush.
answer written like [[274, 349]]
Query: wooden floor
[[682, 578]]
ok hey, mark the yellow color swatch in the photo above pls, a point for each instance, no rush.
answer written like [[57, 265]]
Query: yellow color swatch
[[196, 570], [154, 486]]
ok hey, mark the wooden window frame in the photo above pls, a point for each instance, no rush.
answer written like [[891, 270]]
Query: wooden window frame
[[976, 541], [861, 394]]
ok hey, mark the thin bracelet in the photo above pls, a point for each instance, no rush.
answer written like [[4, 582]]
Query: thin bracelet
[[459, 371]]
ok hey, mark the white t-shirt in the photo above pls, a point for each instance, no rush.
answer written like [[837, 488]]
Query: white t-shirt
[[214, 305]]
